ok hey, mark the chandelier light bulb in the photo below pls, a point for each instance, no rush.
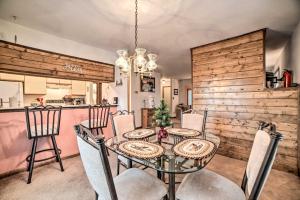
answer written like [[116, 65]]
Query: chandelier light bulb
[[123, 61], [151, 65], [140, 60]]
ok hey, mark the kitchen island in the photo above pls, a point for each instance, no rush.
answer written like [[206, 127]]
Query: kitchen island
[[15, 146]]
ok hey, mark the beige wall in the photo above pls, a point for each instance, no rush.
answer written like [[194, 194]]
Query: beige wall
[[296, 54], [138, 97], [284, 60], [184, 84]]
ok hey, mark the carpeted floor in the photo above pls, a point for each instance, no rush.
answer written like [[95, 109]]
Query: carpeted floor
[[49, 183]]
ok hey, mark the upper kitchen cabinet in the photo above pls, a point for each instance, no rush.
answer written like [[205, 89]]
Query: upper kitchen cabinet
[[53, 80], [78, 88], [35, 85], [11, 77], [65, 82]]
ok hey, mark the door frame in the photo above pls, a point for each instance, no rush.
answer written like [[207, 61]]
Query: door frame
[[163, 94], [187, 97]]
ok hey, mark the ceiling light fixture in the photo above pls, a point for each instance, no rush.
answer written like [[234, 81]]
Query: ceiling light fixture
[[141, 65]]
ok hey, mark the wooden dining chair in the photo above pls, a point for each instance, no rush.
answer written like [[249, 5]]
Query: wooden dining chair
[[192, 120], [133, 184], [122, 121], [206, 184]]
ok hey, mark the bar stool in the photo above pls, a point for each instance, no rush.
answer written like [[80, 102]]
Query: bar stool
[[42, 121], [98, 119]]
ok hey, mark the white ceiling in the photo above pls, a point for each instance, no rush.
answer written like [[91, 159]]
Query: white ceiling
[[167, 27]]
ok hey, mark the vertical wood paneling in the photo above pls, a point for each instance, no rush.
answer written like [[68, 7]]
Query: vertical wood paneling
[[229, 80]]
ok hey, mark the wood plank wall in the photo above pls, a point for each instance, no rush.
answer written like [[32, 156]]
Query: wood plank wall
[[20, 59], [229, 80]]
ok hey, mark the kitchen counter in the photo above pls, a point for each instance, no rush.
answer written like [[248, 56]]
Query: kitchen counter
[[15, 146], [64, 107]]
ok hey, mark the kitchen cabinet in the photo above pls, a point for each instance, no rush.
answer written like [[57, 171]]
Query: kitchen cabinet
[[34, 85], [11, 77], [53, 80], [147, 117], [65, 82], [78, 88]]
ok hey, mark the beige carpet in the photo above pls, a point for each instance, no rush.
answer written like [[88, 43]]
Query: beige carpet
[[49, 183]]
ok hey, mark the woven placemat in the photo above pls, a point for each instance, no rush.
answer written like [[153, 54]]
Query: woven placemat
[[139, 134], [183, 132], [194, 148], [141, 149]]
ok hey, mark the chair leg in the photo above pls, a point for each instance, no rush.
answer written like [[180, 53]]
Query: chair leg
[[107, 151], [96, 195], [118, 166], [32, 157], [32, 149], [57, 152]]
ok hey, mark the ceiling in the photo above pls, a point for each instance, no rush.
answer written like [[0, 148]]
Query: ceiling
[[167, 27]]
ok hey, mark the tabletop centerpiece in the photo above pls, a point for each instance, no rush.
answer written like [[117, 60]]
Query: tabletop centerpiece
[[162, 119]]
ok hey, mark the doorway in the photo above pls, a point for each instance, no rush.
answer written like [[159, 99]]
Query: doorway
[[167, 96]]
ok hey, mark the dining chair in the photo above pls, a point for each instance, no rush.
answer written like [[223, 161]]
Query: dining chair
[[206, 184], [133, 184], [122, 121], [192, 120], [42, 122]]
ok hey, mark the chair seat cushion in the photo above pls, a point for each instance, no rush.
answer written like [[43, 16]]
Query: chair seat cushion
[[39, 132], [136, 184], [208, 185]]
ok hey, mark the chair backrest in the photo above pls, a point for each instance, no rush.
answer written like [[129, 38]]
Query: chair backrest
[[195, 121], [122, 121], [261, 159], [42, 121], [95, 162], [98, 115]]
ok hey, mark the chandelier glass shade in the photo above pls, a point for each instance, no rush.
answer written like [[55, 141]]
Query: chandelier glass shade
[[140, 63]]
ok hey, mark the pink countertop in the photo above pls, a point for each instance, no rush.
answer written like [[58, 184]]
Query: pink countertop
[[15, 146]]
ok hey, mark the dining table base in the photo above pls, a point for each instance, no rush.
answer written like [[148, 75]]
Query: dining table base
[[172, 186]]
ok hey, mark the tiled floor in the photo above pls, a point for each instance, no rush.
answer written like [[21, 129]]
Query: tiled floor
[[49, 183]]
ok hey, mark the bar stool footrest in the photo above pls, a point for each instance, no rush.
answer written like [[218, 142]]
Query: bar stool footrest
[[40, 151]]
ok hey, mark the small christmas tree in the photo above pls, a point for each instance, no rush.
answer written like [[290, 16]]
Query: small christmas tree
[[162, 115]]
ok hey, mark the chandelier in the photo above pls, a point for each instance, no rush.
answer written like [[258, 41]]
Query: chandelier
[[140, 64]]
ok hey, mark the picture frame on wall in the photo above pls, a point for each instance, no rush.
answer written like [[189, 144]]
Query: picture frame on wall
[[175, 91], [147, 84]]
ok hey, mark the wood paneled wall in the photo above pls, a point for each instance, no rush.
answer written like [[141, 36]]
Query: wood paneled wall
[[20, 59], [229, 80]]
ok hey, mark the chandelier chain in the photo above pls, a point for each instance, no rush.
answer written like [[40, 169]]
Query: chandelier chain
[[136, 24]]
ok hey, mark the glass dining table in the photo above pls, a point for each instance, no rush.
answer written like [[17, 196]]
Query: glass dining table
[[168, 162]]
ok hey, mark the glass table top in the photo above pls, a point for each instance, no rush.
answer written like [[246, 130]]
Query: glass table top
[[169, 162]]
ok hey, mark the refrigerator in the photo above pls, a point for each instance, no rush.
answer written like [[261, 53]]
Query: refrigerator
[[11, 94]]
